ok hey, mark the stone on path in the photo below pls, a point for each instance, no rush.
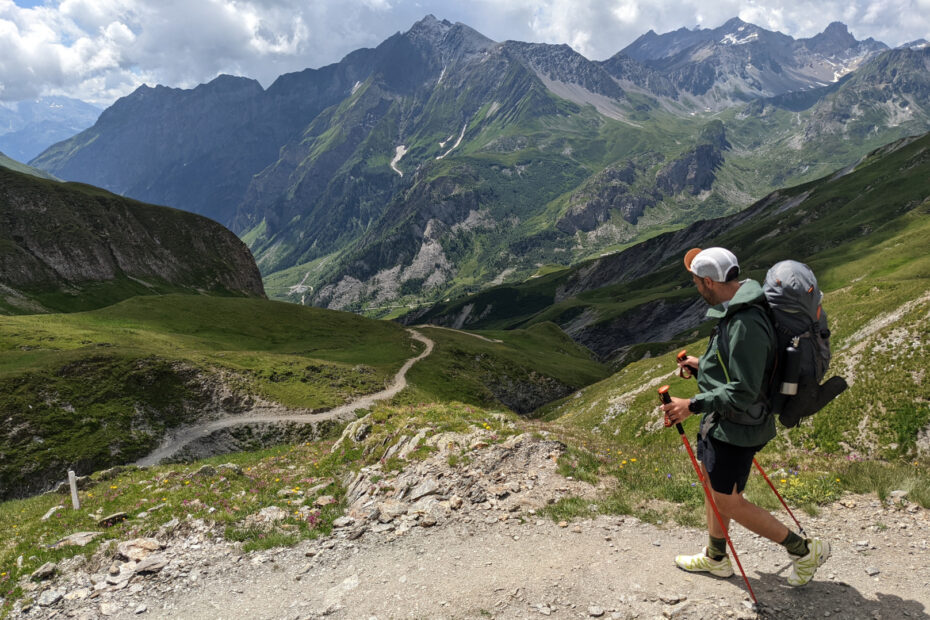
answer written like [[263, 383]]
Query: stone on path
[[78, 539], [151, 564], [138, 549], [44, 572], [50, 597]]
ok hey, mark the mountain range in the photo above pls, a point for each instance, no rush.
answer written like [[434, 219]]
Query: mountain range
[[29, 127], [442, 162]]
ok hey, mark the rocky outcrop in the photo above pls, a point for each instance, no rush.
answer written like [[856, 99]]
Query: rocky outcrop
[[695, 171], [59, 238], [609, 191]]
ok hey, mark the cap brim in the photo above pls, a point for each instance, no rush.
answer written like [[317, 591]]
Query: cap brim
[[689, 257]]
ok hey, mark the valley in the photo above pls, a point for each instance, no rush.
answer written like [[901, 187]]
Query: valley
[[392, 350], [441, 162]]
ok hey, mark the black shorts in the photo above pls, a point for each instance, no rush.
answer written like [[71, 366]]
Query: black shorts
[[726, 464]]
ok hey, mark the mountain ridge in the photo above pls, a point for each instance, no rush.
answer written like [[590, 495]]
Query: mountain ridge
[[441, 161]]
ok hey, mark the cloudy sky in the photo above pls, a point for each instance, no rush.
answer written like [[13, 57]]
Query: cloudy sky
[[99, 50]]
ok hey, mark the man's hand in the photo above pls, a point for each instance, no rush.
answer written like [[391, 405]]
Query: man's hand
[[677, 410], [688, 367]]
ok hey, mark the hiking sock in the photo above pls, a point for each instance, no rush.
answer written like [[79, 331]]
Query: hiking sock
[[795, 544], [716, 548]]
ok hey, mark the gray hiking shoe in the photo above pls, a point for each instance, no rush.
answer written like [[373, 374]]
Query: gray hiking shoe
[[804, 567]]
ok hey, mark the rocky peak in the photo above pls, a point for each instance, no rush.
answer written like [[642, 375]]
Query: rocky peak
[[563, 64], [429, 30], [833, 41], [916, 44], [451, 41]]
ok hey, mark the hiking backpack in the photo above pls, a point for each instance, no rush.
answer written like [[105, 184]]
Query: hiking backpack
[[802, 345]]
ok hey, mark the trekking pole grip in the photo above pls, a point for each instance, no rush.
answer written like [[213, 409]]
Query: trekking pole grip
[[666, 398]]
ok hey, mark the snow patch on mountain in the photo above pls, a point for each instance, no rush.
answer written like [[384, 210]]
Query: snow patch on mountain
[[454, 146], [734, 39], [399, 152]]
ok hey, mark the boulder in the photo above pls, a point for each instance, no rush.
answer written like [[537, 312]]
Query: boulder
[[138, 549]]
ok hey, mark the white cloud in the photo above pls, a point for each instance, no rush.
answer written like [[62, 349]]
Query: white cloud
[[98, 50]]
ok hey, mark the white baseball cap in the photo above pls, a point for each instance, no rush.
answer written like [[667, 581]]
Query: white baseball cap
[[714, 263]]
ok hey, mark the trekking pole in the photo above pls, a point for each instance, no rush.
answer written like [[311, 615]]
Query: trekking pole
[[778, 495], [666, 398]]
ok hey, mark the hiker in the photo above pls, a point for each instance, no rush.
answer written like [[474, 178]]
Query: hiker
[[735, 423]]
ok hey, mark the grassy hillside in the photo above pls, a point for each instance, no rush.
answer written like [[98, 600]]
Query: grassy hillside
[[522, 369], [90, 390], [824, 223], [12, 164], [67, 247]]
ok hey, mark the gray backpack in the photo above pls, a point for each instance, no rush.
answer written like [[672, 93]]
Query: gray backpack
[[802, 348], [802, 344]]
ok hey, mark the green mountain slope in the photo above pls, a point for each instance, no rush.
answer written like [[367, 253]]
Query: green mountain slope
[[642, 294], [441, 162], [67, 247], [95, 389], [571, 180], [12, 164]]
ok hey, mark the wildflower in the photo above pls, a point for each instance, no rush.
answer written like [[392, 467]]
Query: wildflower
[[2, 574], [187, 482], [837, 479], [113, 487], [669, 476], [783, 481], [277, 480], [632, 460]]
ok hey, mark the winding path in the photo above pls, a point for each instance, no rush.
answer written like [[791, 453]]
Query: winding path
[[183, 436]]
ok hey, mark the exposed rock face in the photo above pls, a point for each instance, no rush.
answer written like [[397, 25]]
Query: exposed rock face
[[894, 89], [62, 238], [694, 171], [740, 60], [610, 190], [563, 64], [627, 189]]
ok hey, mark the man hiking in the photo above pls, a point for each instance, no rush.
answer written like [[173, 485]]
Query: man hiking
[[735, 423]]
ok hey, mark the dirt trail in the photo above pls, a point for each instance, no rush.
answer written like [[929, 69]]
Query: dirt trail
[[464, 333], [183, 436], [610, 567]]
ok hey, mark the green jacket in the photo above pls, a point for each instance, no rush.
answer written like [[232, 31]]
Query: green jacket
[[728, 388]]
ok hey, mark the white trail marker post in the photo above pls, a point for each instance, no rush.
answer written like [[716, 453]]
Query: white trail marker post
[[72, 482]]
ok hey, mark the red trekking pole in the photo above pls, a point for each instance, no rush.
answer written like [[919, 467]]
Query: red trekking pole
[[778, 495], [666, 398]]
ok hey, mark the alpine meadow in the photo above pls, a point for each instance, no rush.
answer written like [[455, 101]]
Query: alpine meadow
[[384, 338]]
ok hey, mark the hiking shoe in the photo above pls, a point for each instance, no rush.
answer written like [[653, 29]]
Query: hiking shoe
[[804, 567], [700, 563]]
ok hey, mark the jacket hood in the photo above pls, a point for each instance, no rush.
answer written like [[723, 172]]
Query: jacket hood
[[749, 293]]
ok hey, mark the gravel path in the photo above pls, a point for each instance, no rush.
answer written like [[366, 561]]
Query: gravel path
[[610, 567], [183, 436]]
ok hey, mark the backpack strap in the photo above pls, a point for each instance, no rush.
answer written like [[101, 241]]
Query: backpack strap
[[723, 350]]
